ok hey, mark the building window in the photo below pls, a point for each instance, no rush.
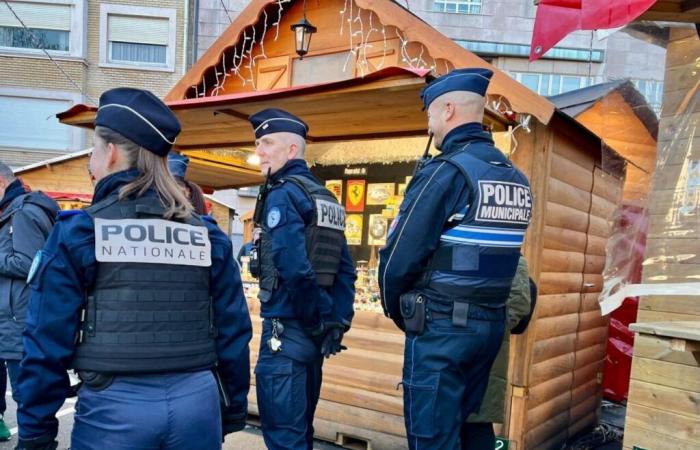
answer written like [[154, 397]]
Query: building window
[[29, 122], [458, 6], [48, 26], [137, 37], [549, 84], [482, 48]]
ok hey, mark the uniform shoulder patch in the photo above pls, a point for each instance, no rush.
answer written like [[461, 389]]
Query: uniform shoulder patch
[[273, 217], [64, 214], [36, 262]]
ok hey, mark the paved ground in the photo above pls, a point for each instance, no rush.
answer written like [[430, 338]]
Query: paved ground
[[249, 439]]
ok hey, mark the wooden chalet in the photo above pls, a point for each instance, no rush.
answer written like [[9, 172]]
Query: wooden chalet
[[358, 88]]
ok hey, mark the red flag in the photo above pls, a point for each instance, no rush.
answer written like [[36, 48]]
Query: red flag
[[555, 19]]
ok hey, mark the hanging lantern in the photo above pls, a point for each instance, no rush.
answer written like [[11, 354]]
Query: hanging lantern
[[302, 33]]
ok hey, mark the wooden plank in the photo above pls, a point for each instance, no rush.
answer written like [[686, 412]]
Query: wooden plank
[[550, 327], [591, 319], [588, 338], [567, 173], [548, 389], [654, 347], [563, 239], [594, 264], [561, 216], [596, 245], [681, 330], [585, 374], [346, 395], [549, 409], [552, 368], [661, 316], [675, 425], [566, 147], [590, 355], [660, 270], [599, 226], [560, 283], [557, 304], [550, 348], [666, 374], [584, 392], [639, 437], [554, 429], [590, 302], [677, 401], [562, 261], [588, 421], [563, 193]]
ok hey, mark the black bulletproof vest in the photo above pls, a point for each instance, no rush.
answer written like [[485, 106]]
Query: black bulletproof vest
[[145, 317], [324, 237]]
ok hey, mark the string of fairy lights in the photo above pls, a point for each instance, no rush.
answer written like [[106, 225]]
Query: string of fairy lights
[[360, 26]]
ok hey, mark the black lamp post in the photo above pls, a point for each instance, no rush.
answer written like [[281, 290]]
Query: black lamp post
[[302, 32]]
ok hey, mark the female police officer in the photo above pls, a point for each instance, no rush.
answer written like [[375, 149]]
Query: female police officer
[[141, 297]]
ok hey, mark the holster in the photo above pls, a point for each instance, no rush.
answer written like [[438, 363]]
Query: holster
[[96, 381], [413, 311]]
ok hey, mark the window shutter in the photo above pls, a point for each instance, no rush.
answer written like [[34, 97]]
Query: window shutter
[[36, 15], [138, 30]]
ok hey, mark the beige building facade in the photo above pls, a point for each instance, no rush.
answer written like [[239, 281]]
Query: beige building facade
[[95, 45]]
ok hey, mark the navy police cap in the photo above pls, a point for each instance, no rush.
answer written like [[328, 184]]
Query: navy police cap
[[275, 121], [139, 116], [177, 164], [471, 80]]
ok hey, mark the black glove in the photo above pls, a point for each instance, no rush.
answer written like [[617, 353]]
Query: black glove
[[230, 423], [331, 338], [33, 445]]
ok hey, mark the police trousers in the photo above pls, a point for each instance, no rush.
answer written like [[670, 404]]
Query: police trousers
[[288, 386], [150, 412], [445, 375]]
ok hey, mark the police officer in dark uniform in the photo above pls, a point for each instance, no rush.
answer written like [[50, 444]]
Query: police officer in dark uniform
[[141, 297], [306, 282], [449, 262]]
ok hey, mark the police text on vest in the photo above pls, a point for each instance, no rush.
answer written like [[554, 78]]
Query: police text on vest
[[504, 202], [330, 215], [152, 241]]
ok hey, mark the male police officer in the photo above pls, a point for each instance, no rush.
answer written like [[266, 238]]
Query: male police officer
[[450, 258], [142, 297], [306, 282]]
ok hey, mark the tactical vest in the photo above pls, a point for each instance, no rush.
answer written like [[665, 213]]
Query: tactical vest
[[147, 317], [324, 237], [479, 248]]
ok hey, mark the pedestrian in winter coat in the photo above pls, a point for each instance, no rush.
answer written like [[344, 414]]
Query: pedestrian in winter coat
[[26, 218]]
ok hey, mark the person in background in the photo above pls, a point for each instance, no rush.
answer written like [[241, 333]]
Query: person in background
[[177, 164], [244, 251], [307, 282], [478, 432], [26, 219]]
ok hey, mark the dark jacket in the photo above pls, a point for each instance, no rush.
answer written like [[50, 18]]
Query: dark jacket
[[68, 267], [25, 222], [298, 296], [518, 306]]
